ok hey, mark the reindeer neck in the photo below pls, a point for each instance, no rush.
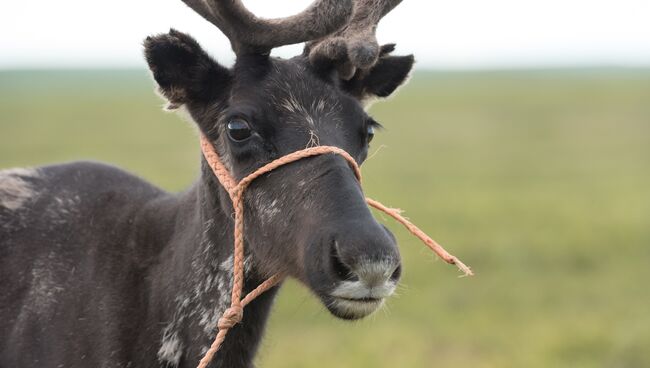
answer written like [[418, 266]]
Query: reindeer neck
[[194, 279]]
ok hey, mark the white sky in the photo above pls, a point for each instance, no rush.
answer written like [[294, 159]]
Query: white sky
[[450, 34]]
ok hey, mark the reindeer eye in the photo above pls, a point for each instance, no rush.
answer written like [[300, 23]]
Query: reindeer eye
[[370, 133], [239, 130]]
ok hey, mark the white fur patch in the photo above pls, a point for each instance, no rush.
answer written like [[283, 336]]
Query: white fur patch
[[375, 274], [359, 290], [268, 211], [219, 285], [171, 350], [14, 189], [319, 106], [302, 113], [62, 207], [204, 302], [292, 105], [374, 282]]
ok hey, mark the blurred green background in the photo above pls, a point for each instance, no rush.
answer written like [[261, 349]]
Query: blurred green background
[[540, 180]]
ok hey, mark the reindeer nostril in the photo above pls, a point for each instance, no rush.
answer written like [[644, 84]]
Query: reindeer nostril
[[396, 274], [341, 269]]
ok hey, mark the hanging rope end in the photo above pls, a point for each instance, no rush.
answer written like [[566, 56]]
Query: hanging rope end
[[462, 267]]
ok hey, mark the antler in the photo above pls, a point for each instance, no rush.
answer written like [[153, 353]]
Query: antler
[[250, 34], [355, 45]]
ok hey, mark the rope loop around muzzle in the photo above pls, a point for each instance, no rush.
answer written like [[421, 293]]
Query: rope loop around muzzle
[[236, 190]]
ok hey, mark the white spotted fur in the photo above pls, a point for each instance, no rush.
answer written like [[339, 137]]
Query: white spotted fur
[[171, 349], [15, 190], [214, 287]]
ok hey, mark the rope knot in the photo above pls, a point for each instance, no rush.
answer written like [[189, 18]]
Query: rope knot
[[230, 317]]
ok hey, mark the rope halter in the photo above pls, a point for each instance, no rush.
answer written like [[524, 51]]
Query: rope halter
[[235, 313]]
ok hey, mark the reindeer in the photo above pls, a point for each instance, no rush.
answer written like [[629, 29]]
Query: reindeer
[[102, 269]]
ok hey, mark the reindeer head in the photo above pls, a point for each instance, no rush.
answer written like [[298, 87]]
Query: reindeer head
[[307, 219]]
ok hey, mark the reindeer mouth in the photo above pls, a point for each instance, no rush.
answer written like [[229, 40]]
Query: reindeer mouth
[[360, 300], [353, 308], [353, 300]]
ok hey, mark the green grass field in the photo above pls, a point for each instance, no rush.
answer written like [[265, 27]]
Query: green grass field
[[538, 180]]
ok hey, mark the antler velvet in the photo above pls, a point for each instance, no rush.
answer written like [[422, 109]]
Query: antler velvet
[[250, 34], [355, 45]]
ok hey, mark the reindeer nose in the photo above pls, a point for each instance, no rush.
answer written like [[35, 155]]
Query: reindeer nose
[[369, 257]]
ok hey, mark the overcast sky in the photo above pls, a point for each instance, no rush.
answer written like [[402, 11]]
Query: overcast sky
[[449, 34]]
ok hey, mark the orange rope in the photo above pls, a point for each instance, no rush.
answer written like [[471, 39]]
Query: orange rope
[[437, 248], [235, 312]]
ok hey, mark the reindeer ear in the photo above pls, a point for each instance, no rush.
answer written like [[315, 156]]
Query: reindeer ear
[[383, 78], [185, 73]]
